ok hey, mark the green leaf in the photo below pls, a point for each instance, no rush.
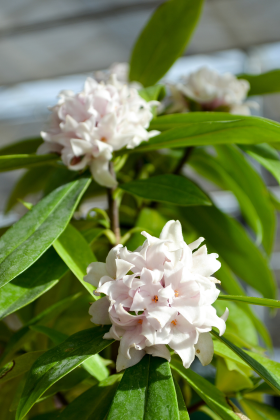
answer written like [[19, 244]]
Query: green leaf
[[19, 365], [265, 368], [271, 303], [12, 162], [259, 411], [215, 170], [76, 253], [214, 398], [146, 392], [96, 368], [227, 238], [32, 235], [33, 181], [153, 93], [22, 147], [183, 412], [163, 40], [239, 322], [94, 365], [249, 131], [169, 189], [267, 156], [232, 286], [261, 84], [20, 336], [94, 403], [32, 283], [253, 186], [56, 336], [59, 361], [166, 122]]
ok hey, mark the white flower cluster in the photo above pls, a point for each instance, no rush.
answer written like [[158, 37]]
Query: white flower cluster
[[161, 294], [212, 90], [87, 127]]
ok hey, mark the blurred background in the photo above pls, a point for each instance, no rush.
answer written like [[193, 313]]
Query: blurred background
[[47, 46]]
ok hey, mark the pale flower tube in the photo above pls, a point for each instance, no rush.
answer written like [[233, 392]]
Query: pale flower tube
[[161, 294]]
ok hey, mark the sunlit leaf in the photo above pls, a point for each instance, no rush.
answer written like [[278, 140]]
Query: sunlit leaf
[[35, 232], [76, 253], [146, 392], [264, 367], [163, 40], [271, 303], [57, 362], [214, 398]]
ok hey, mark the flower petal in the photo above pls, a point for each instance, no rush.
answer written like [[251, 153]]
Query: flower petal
[[99, 312], [204, 348]]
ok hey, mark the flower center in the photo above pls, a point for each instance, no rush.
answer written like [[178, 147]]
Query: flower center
[[103, 139], [174, 322], [75, 160], [176, 293], [140, 321], [155, 299]]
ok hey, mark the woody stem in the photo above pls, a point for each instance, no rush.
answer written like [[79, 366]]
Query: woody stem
[[113, 209]]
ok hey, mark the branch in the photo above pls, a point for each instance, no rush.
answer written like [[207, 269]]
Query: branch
[[195, 407], [113, 209], [183, 160]]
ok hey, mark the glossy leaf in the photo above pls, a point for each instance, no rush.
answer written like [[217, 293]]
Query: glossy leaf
[[214, 398], [93, 404], [267, 156], [169, 189], [253, 186], [228, 239], [146, 392], [271, 303], [183, 412], [22, 147], [163, 40], [167, 122], [76, 253], [20, 336], [249, 131], [57, 362], [265, 368], [19, 365], [261, 84], [35, 232], [32, 283], [259, 411], [94, 365], [12, 162]]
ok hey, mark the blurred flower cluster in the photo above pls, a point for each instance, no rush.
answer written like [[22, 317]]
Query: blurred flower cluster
[[161, 294]]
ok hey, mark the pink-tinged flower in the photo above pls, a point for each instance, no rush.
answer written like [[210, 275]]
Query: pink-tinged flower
[[88, 126], [161, 294], [212, 91]]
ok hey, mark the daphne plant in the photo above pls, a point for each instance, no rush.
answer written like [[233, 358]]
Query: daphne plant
[[174, 334]]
